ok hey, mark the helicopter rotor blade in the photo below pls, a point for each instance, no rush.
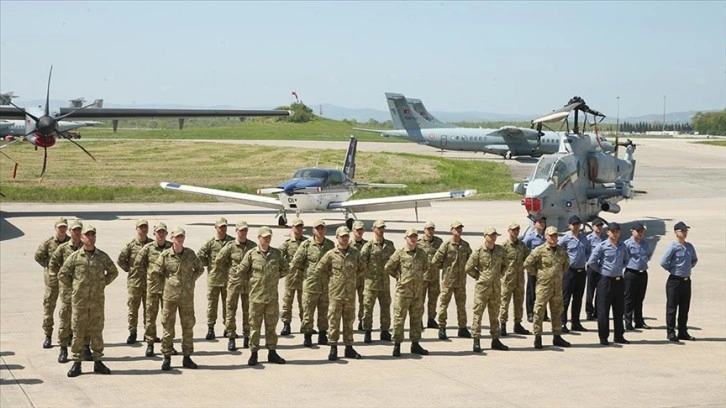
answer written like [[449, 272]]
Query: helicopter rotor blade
[[47, 94]]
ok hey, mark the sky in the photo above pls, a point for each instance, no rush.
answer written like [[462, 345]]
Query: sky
[[501, 57]]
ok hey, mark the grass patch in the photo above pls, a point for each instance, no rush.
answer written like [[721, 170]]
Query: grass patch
[[130, 171], [713, 142]]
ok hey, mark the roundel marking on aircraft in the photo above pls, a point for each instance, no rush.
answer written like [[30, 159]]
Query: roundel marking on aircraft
[[432, 135]]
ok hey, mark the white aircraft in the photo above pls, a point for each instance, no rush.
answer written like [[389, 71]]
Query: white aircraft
[[320, 190]]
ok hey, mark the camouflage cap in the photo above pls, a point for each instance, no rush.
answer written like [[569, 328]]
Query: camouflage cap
[[551, 230], [178, 231], [241, 225], [76, 224], [141, 222], [88, 228], [264, 232], [61, 222], [513, 225], [318, 223], [456, 224], [429, 224], [379, 224], [297, 221], [221, 222], [410, 232], [341, 231], [358, 225], [160, 226], [491, 231]]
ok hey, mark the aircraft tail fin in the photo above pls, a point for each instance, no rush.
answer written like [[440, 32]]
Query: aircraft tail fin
[[403, 114], [429, 121], [349, 165]]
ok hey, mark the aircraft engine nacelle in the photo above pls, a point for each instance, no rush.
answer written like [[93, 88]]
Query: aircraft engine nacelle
[[40, 140], [604, 168], [611, 208]]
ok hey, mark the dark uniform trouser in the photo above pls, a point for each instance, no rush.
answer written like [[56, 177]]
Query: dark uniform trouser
[[153, 301], [269, 312], [678, 297], [610, 292], [287, 298], [432, 289], [489, 298], [636, 283], [573, 287], [88, 322], [312, 301], [168, 321], [413, 306], [341, 310], [213, 295], [460, 299], [593, 277], [230, 321], [136, 298], [50, 298], [384, 302]]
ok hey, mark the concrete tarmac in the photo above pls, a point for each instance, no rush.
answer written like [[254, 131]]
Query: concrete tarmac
[[684, 182]]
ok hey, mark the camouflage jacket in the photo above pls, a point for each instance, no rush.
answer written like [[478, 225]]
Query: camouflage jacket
[[127, 258], [227, 258], [516, 254], [375, 255], [547, 264], [179, 272], [288, 248], [46, 249], [208, 251], [262, 272], [306, 259], [145, 261], [87, 274], [58, 257], [451, 259], [487, 266], [408, 267], [430, 247], [341, 268]]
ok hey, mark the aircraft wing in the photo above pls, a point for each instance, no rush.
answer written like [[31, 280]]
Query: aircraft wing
[[512, 134], [399, 202], [249, 199], [121, 113]]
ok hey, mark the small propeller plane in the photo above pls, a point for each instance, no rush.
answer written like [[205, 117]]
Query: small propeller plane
[[581, 178], [321, 190], [43, 127]]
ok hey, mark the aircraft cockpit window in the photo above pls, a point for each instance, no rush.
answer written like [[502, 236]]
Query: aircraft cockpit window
[[544, 167], [311, 173], [337, 177], [560, 174]]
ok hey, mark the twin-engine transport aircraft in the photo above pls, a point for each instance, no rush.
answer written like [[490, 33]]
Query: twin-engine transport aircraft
[[320, 190]]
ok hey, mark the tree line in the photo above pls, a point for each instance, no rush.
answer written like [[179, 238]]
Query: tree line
[[710, 123]]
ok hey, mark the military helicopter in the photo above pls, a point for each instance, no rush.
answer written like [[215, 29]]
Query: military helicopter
[[580, 178]]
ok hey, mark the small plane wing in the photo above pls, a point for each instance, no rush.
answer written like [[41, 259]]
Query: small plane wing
[[250, 199], [399, 202]]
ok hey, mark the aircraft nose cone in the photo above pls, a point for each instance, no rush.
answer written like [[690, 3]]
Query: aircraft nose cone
[[46, 125], [540, 188]]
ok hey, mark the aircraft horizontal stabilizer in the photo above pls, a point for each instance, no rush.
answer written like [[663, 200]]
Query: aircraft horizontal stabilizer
[[250, 199]]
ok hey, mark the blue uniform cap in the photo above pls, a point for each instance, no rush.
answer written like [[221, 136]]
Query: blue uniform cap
[[614, 226], [598, 221], [538, 217], [638, 226], [574, 220], [680, 226]]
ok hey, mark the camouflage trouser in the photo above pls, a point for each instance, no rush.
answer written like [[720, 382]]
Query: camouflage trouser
[[444, 299], [311, 301], [287, 298], [88, 322], [513, 288], [384, 301], [413, 306], [136, 298], [337, 311], [230, 320], [153, 301], [551, 294], [214, 293], [168, 322], [486, 298], [50, 298], [432, 289], [360, 286], [65, 313], [270, 312]]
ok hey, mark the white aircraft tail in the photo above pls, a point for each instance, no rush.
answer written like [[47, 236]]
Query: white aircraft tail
[[402, 113]]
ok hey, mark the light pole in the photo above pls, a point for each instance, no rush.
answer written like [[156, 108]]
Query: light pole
[[617, 118], [664, 106]]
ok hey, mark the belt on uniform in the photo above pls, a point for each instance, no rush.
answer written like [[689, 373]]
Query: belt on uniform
[[577, 269], [635, 270], [615, 278], [680, 278]]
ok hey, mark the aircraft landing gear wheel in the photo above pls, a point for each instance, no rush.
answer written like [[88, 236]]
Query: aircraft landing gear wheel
[[282, 221], [349, 223], [508, 155]]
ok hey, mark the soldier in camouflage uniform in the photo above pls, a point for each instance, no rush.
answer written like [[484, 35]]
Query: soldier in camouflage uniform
[[135, 284], [216, 286], [59, 256], [486, 266], [408, 266], [229, 257], [179, 268], [451, 258], [315, 288], [513, 281], [145, 261], [375, 253], [87, 272], [293, 280], [341, 266], [358, 242], [430, 243], [261, 270], [50, 296], [547, 263]]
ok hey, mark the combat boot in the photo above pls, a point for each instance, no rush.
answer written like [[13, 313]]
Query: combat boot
[[497, 345], [253, 359], [63, 355], [232, 345], [173, 351], [503, 329], [188, 363], [360, 325], [463, 333], [308, 342], [323, 338], [150, 350], [246, 341], [417, 349], [477, 346], [385, 335], [442, 334], [166, 364], [87, 355], [367, 338], [210, 333], [75, 370], [285, 329], [333, 353], [397, 349], [132, 338], [47, 343], [519, 329], [538, 342], [273, 357], [431, 324], [100, 368], [559, 341], [351, 353]]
